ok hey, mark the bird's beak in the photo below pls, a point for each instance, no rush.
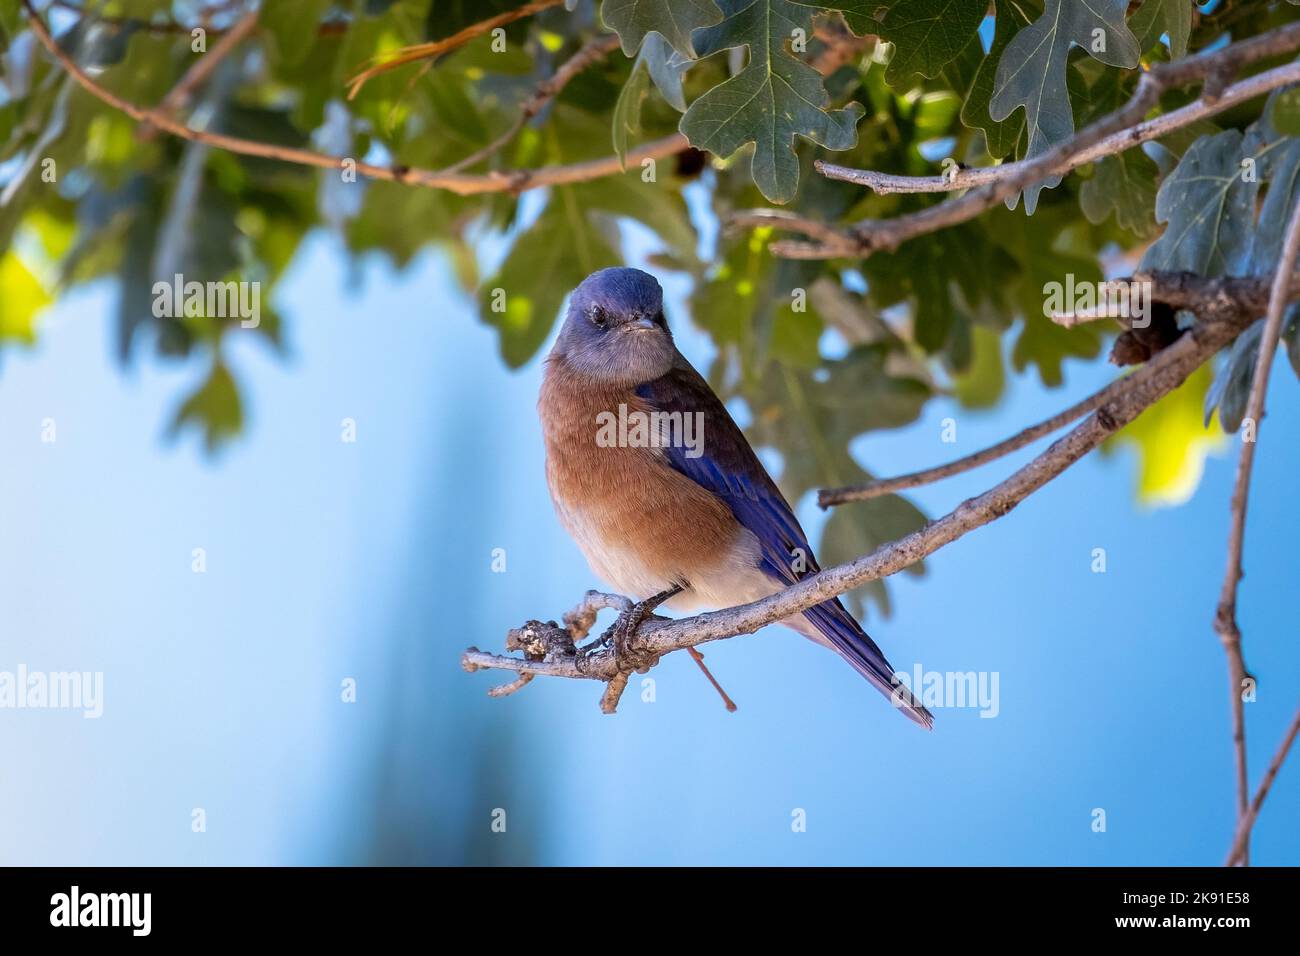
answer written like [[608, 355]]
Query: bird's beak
[[644, 323]]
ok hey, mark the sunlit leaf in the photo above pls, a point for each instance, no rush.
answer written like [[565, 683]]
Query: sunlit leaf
[[22, 297], [1171, 441]]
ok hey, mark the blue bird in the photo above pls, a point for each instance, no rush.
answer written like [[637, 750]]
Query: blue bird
[[658, 485]]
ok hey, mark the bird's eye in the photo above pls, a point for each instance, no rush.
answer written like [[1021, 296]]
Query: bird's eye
[[598, 317]]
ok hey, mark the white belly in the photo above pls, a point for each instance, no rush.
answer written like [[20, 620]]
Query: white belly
[[736, 579]]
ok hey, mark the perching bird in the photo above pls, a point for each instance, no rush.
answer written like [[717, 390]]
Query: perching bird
[[671, 506]]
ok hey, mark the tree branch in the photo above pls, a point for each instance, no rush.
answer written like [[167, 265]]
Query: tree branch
[[179, 98], [516, 181], [1225, 616], [1144, 132], [1178, 289], [427, 51], [1220, 321], [831, 497], [1241, 840], [593, 52], [868, 236]]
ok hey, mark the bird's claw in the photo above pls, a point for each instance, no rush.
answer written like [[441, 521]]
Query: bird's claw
[[630, 652]]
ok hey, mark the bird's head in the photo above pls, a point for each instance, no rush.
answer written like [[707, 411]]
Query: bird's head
[[615, 331]]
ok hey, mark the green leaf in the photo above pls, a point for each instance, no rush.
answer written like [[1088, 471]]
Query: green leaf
[[1156, 17], [775, 98], [1291, 336], [1124, 184], [399, 220], [1000, 136], [1231, 390], [214, 408], [447, 17], [983, 382], [666, 67], [1032, 72], [926, 35], [1043, 249], [1210, 210], [811, 416], [1277, 161], [658, 206], [796, 337], [859, 530], [573, 236], [627, 111], [546, 262], [674, 20], [10, 16], [1286, 112], [291, 26]]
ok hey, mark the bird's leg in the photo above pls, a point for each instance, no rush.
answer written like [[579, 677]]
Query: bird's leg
[[623, 631], [726, 701]]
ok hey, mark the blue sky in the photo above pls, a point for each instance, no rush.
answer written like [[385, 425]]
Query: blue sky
[[372, 561]]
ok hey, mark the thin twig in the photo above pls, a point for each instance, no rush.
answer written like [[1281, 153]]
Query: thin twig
[[427, 51], [175, 102], [1177, 289], [825, 233], [1219, 322], [868, 236], [516, 181], [1144, 132], [593, 52], [1225, 615], [830, 497], [1070, 320], [1242, 838], [518, 684]]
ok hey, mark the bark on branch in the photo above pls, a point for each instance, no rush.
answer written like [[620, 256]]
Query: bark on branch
[[1225, 616]]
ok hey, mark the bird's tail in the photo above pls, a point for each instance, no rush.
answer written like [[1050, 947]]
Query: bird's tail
[[830, 624]]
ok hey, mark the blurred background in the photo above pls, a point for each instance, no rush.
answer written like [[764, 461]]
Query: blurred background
[[372, 560]]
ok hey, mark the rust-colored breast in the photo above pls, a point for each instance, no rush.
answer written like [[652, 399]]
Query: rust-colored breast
[[637, 519]]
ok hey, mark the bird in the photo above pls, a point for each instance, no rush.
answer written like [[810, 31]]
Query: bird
[[657, 484]]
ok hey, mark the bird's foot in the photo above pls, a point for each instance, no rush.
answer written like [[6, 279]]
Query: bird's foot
[[630, 651]]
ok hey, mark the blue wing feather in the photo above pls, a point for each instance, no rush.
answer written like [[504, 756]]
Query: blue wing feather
[[729, 468]]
